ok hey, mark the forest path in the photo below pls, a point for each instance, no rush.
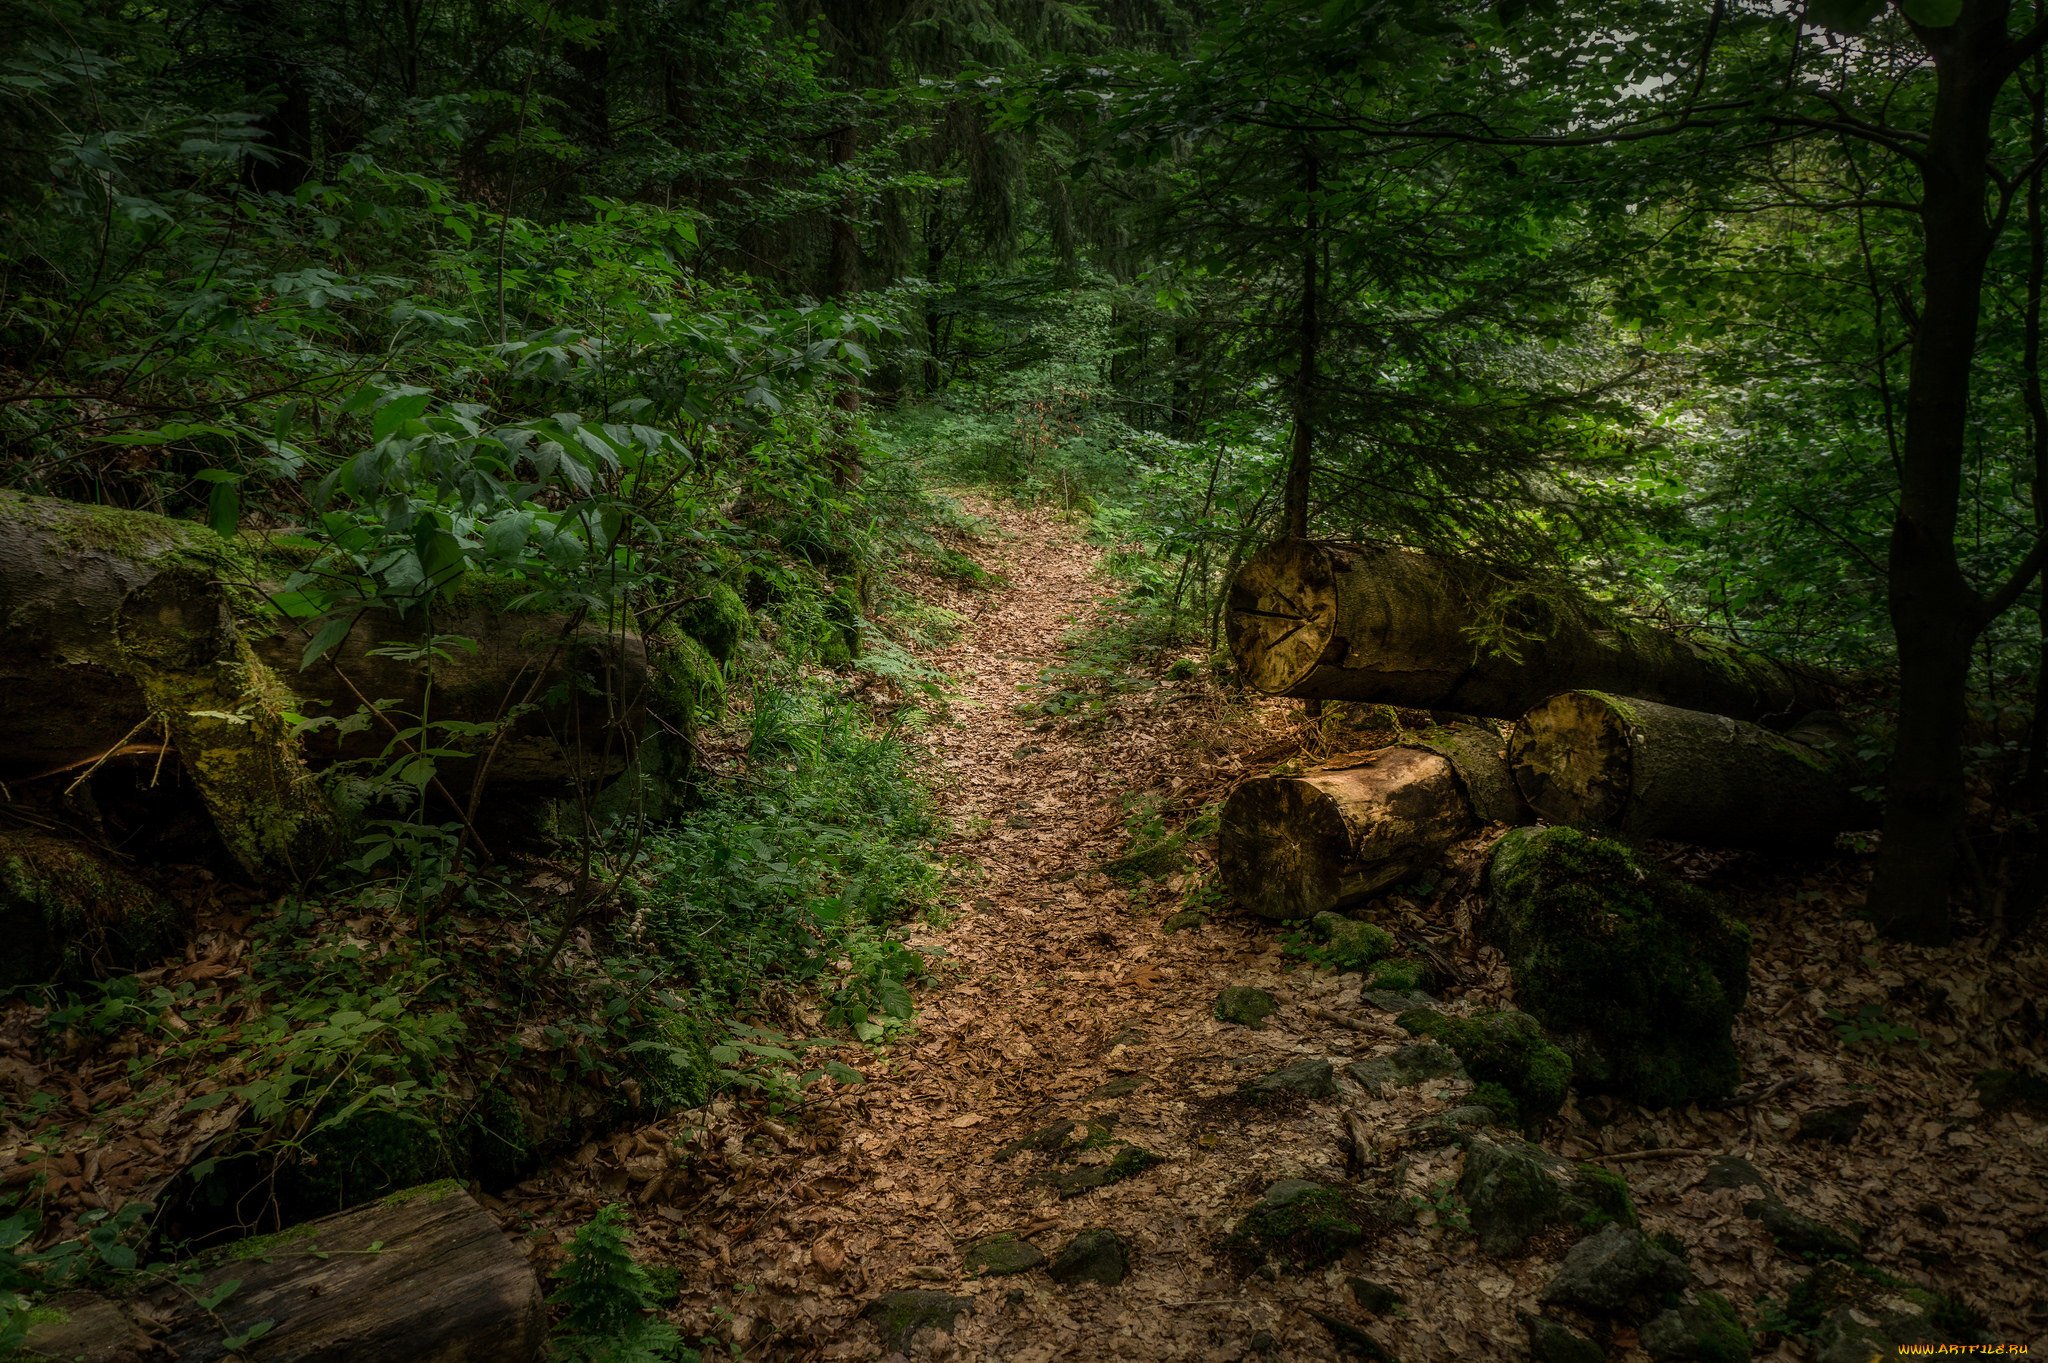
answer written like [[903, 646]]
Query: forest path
[[1057, 999]]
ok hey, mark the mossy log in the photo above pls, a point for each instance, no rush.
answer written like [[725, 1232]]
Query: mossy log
[[69, 909], [422, 1275], [1636, 974], [117, 621], [1379, 623], [1647, 770], [125, 627], [1294, 846]]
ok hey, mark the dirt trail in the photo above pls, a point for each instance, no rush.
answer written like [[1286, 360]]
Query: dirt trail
[[1054, 1001]]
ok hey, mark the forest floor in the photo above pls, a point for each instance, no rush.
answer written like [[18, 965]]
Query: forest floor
[[1066, 1024]]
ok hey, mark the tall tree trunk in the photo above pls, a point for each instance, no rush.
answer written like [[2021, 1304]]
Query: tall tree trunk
[[843, 282], [1301, 450], [934, 262], [1935, 612]]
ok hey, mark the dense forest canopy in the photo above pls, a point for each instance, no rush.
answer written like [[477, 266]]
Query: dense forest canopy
[[1730, 308]]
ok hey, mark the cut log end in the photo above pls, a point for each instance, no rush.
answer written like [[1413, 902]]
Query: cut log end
[[1282, 615], [1571, 760], [1282, 846]]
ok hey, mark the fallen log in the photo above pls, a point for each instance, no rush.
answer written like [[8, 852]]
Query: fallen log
[[422, 1275], [126, 626], [1379, 623], [1294, 846], [1636, 767]]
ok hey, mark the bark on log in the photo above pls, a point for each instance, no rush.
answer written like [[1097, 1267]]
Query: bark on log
[[1377, 623], [1655, 771], [422, 1275], [1294, 846], [120, 620]]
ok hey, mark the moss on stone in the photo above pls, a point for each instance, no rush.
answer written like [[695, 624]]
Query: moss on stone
[[1349, 943], [1705, 1330], [716, 622], [1400, 974], [1607, 1196], [1638, 968], [67, 912], [1244, 1006], [1305, 1222], [1507, 1048], [373, 1153]]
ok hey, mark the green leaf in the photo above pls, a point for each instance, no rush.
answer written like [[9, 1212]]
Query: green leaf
[[224, 509], [395, 413], [331, 633]]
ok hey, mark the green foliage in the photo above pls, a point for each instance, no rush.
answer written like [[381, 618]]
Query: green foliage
[[606, 1300], [800, 870]]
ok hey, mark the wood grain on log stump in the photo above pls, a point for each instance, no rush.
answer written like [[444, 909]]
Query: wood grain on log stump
[[1632, 766], [1294, 846], [1378, 623], [422, 1275]]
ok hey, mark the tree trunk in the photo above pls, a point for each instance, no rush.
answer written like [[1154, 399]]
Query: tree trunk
[[1376, 623], [1655, 771], [1935, 612], [843, 283], [1294, 846], [422, 1275], [1301, 447]]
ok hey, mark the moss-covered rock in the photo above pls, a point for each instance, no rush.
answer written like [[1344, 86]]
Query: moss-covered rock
[[1245, 1006], [1400, 975], [1705, 1330], [1349, 943], [1799, 1234], [1410, 1065], [1856, 1312], [1507, 1048], [67, 912], [1305, 1222], [898, 1316], [1998, 1090], [1308, 1078], [1618, 1271], [998, 1256], [1128, 1160], [1553, 1341], [1093, 1256], [1061, 1138], [1514, 1191], [1643, 972], [374, 1152], [717, 621]]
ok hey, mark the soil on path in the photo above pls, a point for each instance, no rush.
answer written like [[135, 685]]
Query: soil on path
[[1065, 1019]]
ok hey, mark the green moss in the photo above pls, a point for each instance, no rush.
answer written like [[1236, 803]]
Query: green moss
[[371, 1154], [274, 1244], [1349, 943], [66, 913], [1607, 1194], [1244, 1006], [1401, 975], [1507, 1048], [1496, 1099], [1640, 970], [438, 1191], [716, 622], [1305, 1222]]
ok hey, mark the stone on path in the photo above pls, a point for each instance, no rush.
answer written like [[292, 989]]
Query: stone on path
[[1093, 1256], [898, 1316]]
